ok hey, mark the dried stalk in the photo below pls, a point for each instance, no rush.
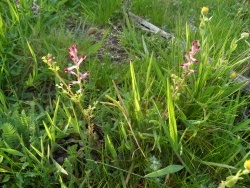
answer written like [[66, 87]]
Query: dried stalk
[[145, 25]]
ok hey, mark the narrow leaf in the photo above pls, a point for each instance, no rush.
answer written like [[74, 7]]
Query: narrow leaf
[[168, 170], [217, 164], [60, 168], [242, 126], [47, 131], [111, 147], [3, 170], [12, 151], [173, 132]]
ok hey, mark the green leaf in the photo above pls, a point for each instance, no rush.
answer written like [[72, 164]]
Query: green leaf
[[243, 126], [173, 131], [60, 168], [61, 182], [111, 147], [168, 170], [217, 164], [94, 48], [47, 131], [10, 135], [3, 170], [12, 151], [6, 178], [227, 91], [1, 158]]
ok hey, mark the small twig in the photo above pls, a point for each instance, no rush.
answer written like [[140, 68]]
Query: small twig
[[145, 25]]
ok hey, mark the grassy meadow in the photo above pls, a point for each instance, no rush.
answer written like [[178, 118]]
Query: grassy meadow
[[88, 98]]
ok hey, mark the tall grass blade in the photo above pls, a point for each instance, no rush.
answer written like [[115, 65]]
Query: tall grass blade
[[110, 146], [149, 71], [173, 134], [35, 67], [136, 93], [3, 106]]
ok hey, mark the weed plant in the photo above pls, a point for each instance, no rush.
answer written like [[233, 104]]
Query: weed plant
[[172, 115]]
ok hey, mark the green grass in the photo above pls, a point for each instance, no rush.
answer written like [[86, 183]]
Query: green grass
[[140, 121]]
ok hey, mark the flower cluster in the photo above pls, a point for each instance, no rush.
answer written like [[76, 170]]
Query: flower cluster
[[74, 69], [190, 60]]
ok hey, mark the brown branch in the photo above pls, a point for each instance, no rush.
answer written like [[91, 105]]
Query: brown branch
[[145, 25]]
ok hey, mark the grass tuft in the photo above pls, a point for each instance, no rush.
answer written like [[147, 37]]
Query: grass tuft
[[90, 99]]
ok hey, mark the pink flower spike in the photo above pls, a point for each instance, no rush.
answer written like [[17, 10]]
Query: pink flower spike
[[186, 65], [85, 76], [190, 58], [187, 57], [195, 48], [193, 59], [73, 53], [69, 69], [81, 59], [73, 83], [72, 72], [188, 72], [192, 71]]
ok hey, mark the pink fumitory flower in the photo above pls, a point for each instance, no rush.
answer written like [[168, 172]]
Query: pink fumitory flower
[[83, 57], [195, 48], [85, 76], [70, 69], [190, 60], [73, 53], [73, 50], [74, 82]]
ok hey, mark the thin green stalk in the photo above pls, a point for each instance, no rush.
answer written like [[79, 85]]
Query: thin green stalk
[[136, 94], [173, 132]]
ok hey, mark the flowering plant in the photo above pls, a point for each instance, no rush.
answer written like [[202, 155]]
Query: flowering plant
[[204, 19], [178, 82], [190, 60], [73, 70]]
